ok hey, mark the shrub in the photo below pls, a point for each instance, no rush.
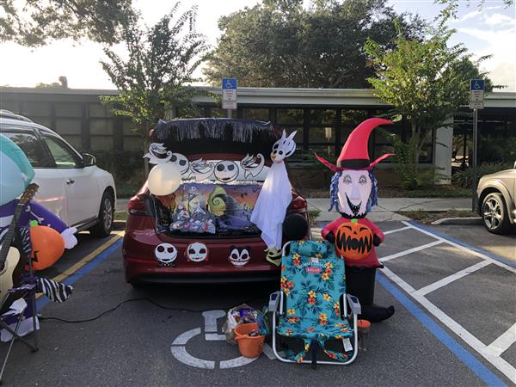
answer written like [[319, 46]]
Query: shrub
[[464, 178], [127, 168]]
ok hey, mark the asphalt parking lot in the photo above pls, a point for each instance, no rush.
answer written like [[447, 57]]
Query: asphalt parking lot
[[454, 323]]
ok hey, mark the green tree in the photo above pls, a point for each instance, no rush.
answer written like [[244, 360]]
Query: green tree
[[279, 43], [425, 82], [36, 22], [452, 6], [155, 77]]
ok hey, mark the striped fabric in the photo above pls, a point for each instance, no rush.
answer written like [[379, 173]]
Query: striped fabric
[[55, 291]]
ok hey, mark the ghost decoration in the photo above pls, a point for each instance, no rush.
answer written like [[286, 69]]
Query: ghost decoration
[[276, 194], [181, 161], [196, 252], [239, 257], [158, 154], [226, 171], [201, 169], [252, 165], [165, 254], [284, 147]]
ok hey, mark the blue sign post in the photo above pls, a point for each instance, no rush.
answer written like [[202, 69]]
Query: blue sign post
[[229, 94]]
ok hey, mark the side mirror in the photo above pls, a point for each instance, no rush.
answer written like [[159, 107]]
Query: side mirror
[[88, 160]]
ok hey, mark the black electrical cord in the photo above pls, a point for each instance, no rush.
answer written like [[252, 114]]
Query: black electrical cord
[[42, 318]]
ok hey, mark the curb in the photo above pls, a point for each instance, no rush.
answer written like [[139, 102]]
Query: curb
[[458, 221]]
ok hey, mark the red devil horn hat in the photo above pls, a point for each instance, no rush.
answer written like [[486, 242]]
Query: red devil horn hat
[[355, 154]]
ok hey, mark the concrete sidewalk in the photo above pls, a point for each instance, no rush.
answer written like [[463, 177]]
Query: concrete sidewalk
[[387, 207]]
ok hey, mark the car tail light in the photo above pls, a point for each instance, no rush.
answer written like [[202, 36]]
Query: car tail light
[[136, 206], [298, 203]]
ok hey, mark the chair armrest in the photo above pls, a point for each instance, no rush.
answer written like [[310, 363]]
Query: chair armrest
[[274, 301], [354, 304]]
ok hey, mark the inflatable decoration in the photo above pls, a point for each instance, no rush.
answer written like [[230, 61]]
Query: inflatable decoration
[[164, 179], [276, 194], [353, 192], [47, 246], [16, 173], [353, 241]]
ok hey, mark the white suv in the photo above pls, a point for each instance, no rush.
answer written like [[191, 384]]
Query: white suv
[[70, 184]]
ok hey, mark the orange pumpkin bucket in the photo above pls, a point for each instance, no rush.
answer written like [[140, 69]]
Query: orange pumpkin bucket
[[249, 346]]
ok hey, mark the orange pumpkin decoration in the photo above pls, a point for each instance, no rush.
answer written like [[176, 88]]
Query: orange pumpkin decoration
[[353, 241], [47, 246]]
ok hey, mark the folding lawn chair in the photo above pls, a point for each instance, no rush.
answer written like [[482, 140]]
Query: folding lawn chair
[[12, 323], [312, 306]]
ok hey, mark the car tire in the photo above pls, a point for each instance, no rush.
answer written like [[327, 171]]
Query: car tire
[[106, 216], [494, 214]]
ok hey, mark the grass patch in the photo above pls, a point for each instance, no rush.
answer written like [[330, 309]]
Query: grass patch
[[425, 217], [313, 214], [121, 216]]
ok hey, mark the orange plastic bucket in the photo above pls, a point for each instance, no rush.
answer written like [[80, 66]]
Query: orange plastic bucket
[[249, 346]]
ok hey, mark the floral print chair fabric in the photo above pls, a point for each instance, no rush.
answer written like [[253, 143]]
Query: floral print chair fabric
[[313, 282]]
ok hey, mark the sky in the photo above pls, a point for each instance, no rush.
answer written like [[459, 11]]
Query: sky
[[490, 31]]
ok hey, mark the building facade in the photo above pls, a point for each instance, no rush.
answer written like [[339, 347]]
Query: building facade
[[323, 119]]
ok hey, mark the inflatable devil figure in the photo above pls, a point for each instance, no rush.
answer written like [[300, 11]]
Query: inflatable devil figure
[[353, 192]]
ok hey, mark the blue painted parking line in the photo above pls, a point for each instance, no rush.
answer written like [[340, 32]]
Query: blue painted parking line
[[73, 278], [458, 350]]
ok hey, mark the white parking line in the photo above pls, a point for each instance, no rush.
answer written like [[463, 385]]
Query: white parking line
[[396, 230], [445, 281], [476, 253], [409, 251], [502, 365], [501, 344]]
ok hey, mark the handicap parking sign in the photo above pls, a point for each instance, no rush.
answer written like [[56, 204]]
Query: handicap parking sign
[[477, 84]]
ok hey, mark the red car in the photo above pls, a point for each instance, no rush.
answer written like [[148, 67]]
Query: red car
[[202, 232]]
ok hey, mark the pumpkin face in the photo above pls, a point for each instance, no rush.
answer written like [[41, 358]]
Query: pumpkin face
[[353, 241]]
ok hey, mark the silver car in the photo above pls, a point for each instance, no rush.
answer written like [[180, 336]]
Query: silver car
[[497, 200]]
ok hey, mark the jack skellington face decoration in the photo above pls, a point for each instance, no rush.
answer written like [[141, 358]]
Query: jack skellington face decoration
[[158, 154], [252, 165], [196, 252], [166, 254], [181, 161], [284, 147], [226, 171], [239, 257]]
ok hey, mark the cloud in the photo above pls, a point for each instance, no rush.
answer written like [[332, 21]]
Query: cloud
[[499, 20], [502, 65]]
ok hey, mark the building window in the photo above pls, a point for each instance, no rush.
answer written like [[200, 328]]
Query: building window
[[289, 117], [256, 114]]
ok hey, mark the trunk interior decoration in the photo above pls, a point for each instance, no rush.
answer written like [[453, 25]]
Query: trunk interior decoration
[[208, 209]]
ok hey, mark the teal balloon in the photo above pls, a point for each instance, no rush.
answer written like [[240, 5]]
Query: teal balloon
[[16, 172]]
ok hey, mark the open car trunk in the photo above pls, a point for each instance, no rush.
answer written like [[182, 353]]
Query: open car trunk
[[208, 209], [223, 164]]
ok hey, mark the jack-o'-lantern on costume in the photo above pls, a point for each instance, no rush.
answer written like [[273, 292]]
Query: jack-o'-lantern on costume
[[353, 192]]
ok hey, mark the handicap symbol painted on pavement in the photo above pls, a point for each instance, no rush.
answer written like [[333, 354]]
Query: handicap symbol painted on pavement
[[179, 351]]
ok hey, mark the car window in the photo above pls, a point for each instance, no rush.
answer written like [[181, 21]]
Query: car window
[[63, 156], [32, 148]]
